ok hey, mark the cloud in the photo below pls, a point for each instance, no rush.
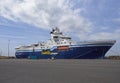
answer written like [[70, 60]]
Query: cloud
[[106, 35], [12, 36], [104, 28], [116, 20], [61, 13], [45, 14]]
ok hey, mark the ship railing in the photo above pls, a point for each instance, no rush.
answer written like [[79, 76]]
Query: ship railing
[[97, 41]]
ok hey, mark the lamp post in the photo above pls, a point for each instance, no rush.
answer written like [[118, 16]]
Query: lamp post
[[0, 52], [8, 47]]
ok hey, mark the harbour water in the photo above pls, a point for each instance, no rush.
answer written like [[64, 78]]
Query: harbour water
[[59, 71]]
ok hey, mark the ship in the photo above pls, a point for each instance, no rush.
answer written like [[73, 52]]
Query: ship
[[60, 46]]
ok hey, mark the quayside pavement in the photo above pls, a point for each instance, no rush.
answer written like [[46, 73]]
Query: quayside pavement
[[59, 71]]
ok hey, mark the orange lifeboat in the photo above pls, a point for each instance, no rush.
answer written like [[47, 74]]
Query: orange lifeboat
[[63, 48]]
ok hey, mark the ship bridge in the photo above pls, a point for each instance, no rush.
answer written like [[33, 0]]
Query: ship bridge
[[59, 38]]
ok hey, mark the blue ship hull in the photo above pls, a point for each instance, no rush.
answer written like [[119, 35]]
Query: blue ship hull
[[84, 52]]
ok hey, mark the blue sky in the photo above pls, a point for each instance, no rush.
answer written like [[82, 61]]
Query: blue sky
[[25, 22]]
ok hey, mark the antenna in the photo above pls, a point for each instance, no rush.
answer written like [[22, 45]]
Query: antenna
[[52, 26]]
